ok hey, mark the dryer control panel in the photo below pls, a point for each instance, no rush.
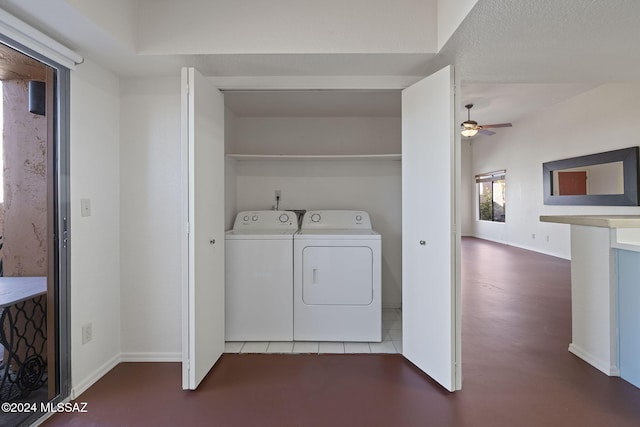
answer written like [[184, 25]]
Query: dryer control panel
[[336, 219], [266, 220]]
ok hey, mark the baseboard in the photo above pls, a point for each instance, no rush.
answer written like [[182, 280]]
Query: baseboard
[[119, 358], [540, 251], [528, 248], [81, 387], [612, 371], [151, 357]]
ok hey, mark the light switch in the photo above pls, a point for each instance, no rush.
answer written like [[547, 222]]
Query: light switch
[[85, 207]]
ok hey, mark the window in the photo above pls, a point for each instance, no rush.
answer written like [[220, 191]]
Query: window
[[491, 196]]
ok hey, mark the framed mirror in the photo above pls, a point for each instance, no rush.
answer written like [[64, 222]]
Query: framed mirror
[[605, 179]]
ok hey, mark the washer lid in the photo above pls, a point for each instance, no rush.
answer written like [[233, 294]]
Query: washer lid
[[263, 220], [259, 234]]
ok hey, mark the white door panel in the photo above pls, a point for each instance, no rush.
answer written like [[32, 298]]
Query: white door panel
[[259, 303], [203, 244], [337, 275], [428, 238]]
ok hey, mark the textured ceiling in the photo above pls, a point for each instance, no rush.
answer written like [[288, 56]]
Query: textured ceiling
[[500, 41], [547, 41], [511, 56], [500, 103]]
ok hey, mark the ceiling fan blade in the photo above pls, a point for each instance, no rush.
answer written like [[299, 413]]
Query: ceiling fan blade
[[486, 132], [499, 125]]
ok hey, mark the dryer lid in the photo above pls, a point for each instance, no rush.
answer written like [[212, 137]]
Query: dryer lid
[[338, 234], [336, 219]]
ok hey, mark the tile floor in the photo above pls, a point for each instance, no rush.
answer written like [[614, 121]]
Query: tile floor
[[391, 342]]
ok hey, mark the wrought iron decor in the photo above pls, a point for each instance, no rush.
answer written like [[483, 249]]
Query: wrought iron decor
[[23, 368]]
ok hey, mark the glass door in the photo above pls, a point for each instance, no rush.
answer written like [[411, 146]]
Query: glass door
[[34, 369]]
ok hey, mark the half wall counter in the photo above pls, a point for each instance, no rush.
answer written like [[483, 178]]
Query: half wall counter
[[605, 291]]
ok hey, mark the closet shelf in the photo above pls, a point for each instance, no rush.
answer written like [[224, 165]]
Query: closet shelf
[[247, 157]]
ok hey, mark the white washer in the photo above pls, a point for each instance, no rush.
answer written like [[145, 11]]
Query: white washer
[[259, 276], [337, 278]]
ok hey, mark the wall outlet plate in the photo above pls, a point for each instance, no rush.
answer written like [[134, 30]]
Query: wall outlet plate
[[87, 333], [85, 207]]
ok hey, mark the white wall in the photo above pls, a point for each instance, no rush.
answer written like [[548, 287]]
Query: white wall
[[229, 169], [287, 26], [317, 135], [150, 217], [601, 119], [116, 17], [466, 191], [451, 13], [95, 240], [373, 186]]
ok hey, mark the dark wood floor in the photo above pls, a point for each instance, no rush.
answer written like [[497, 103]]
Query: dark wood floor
[[516, 367]]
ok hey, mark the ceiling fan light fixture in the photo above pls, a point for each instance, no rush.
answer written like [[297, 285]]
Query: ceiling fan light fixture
[[468, 131], [469, 128]]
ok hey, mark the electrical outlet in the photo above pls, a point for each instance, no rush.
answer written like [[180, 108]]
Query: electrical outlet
[[533, 235], [87, 333], [85, 207], [547, 238]]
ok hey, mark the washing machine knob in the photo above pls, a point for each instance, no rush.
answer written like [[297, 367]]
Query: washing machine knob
[[315, 217], [358, 218], [284, 218], [246, 218], [254, 218]]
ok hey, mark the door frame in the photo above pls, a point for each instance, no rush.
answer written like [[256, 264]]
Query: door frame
[[59, 259], [257, 84]]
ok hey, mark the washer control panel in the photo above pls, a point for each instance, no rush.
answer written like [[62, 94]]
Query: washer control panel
[[336, 219], [281, 220]]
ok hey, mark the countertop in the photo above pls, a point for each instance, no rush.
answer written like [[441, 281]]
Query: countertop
[[607, 221]]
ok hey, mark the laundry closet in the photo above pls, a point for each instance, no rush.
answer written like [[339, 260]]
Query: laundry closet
[[319, 150], [323, 150]]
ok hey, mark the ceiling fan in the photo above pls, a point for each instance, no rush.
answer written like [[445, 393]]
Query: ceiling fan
[[469, 127]]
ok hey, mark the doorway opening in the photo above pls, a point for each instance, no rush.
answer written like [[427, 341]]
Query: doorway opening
[[34, 369], [323, 150]]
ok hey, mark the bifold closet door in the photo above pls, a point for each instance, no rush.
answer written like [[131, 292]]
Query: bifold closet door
[[430, 319], [203, 217]]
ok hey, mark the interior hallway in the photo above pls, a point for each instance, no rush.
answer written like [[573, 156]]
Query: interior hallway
[[516, 328]]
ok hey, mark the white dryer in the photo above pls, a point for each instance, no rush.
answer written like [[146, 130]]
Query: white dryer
[[337, 278], [259, 276]]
